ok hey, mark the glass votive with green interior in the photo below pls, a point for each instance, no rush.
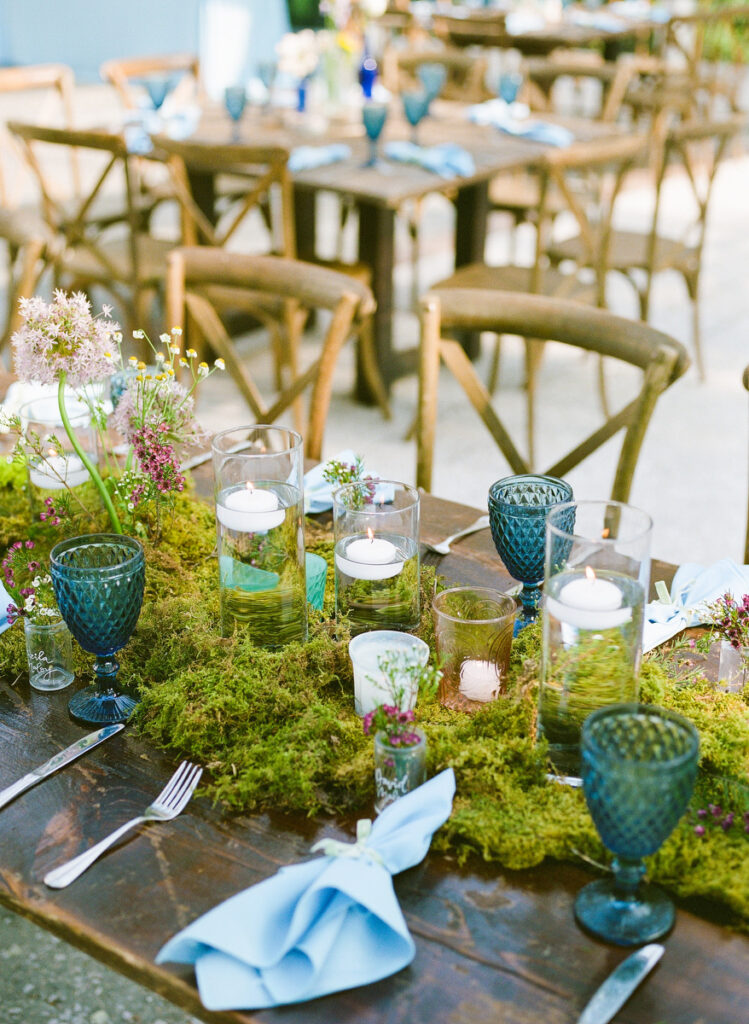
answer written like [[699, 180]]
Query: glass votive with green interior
[[473, 631], [596, 583], [259, 480], [376, 525]]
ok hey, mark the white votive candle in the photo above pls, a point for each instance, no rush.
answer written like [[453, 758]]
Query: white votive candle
[[479, 680], [55, 472], [249, 509], [588, 602], [370, 558]]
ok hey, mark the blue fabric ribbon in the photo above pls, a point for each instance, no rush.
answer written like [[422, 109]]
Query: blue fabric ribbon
[[319, 927]]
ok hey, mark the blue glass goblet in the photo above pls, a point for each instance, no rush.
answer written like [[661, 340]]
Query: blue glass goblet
[[158, 88], [509, 85], [415, 106], [98, 581], [639, 764], [518, 507], [432, 77], [235, 100], [374, 116]]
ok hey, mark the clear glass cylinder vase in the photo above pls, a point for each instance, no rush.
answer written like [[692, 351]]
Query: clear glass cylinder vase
[[596, 584], [259, 489], [733, 668], [376, 526], [49, 652], [398, 770], [56, 466]]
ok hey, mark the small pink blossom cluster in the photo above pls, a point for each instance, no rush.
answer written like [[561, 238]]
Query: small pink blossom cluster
[[731, 620], [50, 515], [17, 559], [158, 404], [157, 458], [713, 815], [395, 723], [62, 337]]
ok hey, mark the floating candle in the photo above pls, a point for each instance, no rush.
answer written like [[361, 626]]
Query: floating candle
[[55, 472], [588, 602], [249, 509], [479, 680], [370, 558]]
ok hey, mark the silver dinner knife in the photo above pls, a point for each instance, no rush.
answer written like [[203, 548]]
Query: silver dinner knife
[[620, 985], [58, 761]]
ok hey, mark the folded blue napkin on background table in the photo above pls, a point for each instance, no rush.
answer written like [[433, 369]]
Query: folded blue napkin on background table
[[499, 115], [447, 160], [693, 587], [307, 158], [326, 925]]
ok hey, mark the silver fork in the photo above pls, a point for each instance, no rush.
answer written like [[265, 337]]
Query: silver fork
[[168, 804], [443, 548]]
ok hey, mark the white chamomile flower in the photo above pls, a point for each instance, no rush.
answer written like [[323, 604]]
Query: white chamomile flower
[[117, 337], [164, 339], [133, 361], [139, 335], [203, 370], [183, 362], [191, 353], [177, 331], [160, 357], [220, 364], [174, 349]]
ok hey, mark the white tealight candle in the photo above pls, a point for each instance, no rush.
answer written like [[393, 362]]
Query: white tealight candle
[[249, 509], [588, 602], [55, 472], [370, 558], [479, 680]]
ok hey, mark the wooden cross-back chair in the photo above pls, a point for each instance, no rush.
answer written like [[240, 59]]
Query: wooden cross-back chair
[[194, 273], [745, 381], [464, 72], [602, 165], [125, 74], [123, 259], [661, 359], [697, 149]]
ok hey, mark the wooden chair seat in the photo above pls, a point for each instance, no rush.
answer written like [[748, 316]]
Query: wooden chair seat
[[630, 250], [511, 278], [92, 266]]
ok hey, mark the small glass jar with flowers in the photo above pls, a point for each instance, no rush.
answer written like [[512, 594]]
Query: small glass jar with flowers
[[400, 746], [49, 648], [728, 622]]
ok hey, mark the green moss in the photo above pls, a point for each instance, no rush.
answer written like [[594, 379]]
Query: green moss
[[277, 728]]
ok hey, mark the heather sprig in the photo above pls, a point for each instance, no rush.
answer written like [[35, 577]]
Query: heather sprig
[[728, 619], [29, 584], [338, 474], [714, 816], [404, 680]]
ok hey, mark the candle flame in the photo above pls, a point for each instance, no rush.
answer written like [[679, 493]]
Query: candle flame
[[52, 452], [590, 574], [249, 486], [370, 534]]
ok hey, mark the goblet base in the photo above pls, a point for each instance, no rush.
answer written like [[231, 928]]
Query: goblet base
[[97, 708], [632, 921]]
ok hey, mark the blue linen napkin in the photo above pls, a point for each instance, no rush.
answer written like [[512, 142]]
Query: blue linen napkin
[[328, 924], [447, 160], [5, 600], [693, 587], [497, 114], [318, 493], [307, 158]]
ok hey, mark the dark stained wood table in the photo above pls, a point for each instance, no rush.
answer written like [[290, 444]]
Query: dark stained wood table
[[490, 944]]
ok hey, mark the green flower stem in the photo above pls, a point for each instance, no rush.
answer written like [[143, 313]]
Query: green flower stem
[[94, 473]]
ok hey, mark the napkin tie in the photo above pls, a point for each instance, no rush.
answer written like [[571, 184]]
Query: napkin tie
[[337, 848]]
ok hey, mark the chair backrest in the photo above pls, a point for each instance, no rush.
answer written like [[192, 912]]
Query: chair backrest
[[480, 28], [465, 72], [712, 47], [266, 170], [661, 359], [269, 283], [53, 79], [126, 74]]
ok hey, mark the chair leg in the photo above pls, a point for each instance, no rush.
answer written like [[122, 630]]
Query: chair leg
[[370, 369], [533, 349], [693, 290], [496, 365], [24, 286], [602, 390]]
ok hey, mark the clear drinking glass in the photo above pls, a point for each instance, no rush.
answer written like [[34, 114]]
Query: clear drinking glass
[[49, 652], [596, 583], [473, 631], [398, 770], [259, 489], [57, 465], [377, 555], [733, 668]]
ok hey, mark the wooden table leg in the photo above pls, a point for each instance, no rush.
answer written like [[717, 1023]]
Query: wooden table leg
[[203, 189], [376, 249], [472, 209], [305, 220]]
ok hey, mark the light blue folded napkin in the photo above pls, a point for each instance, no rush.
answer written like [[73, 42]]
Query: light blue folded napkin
[[693, 587], [318, 493], [319, 927], [307, 158], [5, 600], [447, 160], [497, 114]]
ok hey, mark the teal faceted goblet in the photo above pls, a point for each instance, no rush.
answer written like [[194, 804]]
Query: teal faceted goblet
[[98, 581], [518, 507], [639, 764], [415, 107], [374, 116]]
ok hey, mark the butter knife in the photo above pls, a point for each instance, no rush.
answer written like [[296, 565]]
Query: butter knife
[[58, 761], [620, 985]]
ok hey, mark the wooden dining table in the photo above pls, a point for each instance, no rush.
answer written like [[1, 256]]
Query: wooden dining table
[[491, 944], [380, 192]]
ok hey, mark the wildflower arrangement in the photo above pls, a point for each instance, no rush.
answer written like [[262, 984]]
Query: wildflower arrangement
[[338, 474], [63, 342], [29, 584], [298, 54], [713, 816], [728, 620], [403, 678]]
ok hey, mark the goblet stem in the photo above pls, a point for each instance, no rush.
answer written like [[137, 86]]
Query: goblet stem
[[627, 877], [415, 134], [530, 597], [106, 669]]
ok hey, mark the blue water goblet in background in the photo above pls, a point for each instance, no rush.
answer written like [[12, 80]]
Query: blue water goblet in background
[[509, 85], [235, 100], [415, 106], [518, 507], [158, 88], [432, 77], [639, 764], [98, 581], [374, 116]]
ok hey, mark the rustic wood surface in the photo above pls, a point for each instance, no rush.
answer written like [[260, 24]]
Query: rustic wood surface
[[491, 944]]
